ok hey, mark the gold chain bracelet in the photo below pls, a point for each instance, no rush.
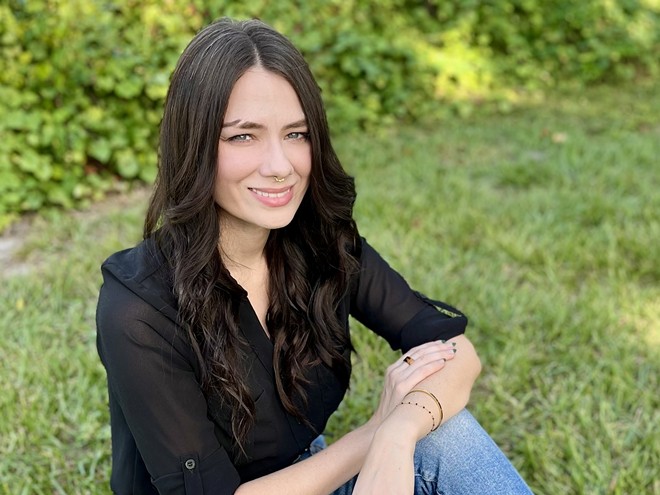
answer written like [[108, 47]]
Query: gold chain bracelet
[[408, 402], [435, 399]]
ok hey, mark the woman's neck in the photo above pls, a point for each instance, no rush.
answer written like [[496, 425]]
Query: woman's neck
[[242, 246]]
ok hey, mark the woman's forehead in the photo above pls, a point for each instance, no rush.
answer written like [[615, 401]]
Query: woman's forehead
[[259, 96]]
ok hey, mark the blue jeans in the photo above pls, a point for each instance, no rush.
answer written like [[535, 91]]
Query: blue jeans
[[459, 458]]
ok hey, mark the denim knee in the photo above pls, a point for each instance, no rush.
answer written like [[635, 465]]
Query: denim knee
[[461, 458]]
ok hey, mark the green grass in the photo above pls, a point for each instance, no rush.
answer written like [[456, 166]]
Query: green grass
[[543, 225]]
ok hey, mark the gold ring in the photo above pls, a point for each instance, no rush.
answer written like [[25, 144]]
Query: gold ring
[[278, 179], [408, 360]]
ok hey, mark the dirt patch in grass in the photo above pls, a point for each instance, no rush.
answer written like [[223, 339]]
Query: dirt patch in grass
[[13, 238]]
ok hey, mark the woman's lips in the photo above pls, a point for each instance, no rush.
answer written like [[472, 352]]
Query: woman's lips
[[273, 196]]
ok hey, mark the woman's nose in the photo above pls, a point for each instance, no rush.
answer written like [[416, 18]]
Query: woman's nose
[[276, 163]]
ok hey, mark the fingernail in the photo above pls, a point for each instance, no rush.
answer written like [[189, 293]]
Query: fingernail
[[453, 344], [443, 341], [454, 351]]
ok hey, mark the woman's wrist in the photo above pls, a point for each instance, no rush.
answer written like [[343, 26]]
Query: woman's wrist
[[434, 409], [405, 425]]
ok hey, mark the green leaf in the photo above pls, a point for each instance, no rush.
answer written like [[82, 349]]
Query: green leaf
[[101, 150], [129, 88], [58, 196], [22, 121], [157, 87], [127, 164]]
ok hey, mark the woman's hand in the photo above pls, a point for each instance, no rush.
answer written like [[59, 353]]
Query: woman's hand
[[388, 467], [401, 377]]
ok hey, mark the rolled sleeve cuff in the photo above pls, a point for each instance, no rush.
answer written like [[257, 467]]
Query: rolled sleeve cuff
[[214, 474], [439, 322]]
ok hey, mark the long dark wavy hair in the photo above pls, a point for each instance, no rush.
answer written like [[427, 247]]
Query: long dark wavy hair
[[311, 261]]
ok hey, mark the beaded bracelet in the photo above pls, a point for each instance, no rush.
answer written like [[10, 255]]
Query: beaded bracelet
[[435, 399], [423, 407]]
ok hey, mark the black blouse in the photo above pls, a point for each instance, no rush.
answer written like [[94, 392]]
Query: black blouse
[[167, 437]]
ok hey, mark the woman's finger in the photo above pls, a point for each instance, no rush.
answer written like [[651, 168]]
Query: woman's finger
[[428, 348], [423, 367], [400, 374], [432, 345], [426, 355], [429, 356]]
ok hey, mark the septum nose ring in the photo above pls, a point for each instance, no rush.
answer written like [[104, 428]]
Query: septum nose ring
[[278, 179]]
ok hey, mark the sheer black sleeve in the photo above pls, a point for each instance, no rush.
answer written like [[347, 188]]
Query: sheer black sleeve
[[384, 302], [160, 429]]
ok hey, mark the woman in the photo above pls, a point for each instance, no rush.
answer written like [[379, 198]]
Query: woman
[[225, 332]]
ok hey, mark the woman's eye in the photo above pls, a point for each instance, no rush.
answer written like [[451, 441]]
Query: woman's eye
[[240, 138], [298, 136]]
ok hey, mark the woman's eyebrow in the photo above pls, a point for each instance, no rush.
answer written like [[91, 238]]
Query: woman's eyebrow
[[298, 123], [253, 125], [244, 125]]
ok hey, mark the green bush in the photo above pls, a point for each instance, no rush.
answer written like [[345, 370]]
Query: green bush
[[83, 81], [80, 97], [545, 41]]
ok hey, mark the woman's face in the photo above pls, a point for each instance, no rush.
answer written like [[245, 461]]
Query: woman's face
[[264, 137]]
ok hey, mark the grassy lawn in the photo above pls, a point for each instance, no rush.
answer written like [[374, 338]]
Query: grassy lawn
[[543, 225]]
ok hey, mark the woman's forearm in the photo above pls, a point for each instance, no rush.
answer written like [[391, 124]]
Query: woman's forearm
[[321, 473]]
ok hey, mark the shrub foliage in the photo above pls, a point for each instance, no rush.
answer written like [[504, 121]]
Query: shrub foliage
[[83, 81]]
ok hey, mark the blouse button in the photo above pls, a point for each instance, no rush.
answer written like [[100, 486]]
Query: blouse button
[[190, 464]]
